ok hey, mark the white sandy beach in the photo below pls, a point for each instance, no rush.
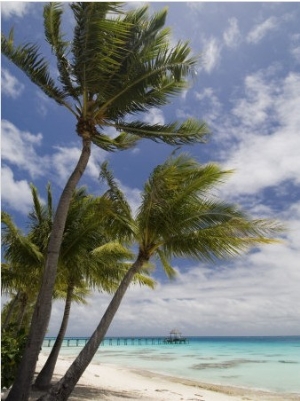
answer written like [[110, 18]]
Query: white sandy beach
[[114, 383]]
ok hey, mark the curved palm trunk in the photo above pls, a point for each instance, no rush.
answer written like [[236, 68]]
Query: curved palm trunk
[[42, 311], [62, 390], [43, 379]]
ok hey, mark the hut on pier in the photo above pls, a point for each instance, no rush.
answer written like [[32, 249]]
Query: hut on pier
[[175, 338]]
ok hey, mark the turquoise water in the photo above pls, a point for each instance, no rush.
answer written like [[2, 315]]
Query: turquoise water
[[268, 363]]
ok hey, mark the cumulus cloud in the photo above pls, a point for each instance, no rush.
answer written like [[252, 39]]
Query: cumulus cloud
[[10, 86], [20, 150], [259, 31], [154, 116], [265, 153], [232, 35], [16, 194], [17, 8]]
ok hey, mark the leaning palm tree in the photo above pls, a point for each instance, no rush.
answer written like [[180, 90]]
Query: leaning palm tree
[[87, 227], [118, 65], [177, 217]]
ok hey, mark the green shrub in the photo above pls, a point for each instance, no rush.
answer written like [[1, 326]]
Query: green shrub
[[12, 347]]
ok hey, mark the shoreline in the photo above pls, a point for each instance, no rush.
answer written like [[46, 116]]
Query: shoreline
[[114, 383]]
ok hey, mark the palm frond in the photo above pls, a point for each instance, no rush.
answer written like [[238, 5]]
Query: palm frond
[[168, 269], [141, 279], [179, 217], [38, 215], [52, 26], [123, 141], [18, 248], [151, 71], [112, 251], [40, 218], [29, 60], [120, 223], [190, 131], [224, 240], [95, 46]]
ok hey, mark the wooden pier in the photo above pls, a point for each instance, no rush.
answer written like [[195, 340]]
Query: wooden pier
[[81, 341]]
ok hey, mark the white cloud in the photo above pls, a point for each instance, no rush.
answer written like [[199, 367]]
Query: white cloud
[[255, 108], [10, 86], [208, 98], [232, 35], [195, 6], [15, 194], [266, 132], [18, 8], [261, 30], [65, 159], [18, 148], [211, 54], [154, 116]]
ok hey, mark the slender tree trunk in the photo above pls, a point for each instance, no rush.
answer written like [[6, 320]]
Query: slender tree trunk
[[62, 389], [42, 311], [43, 379]]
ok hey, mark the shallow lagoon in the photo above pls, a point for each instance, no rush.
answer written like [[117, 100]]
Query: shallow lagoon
[[268, 363]]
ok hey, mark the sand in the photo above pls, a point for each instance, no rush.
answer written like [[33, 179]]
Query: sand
[[115, 383]]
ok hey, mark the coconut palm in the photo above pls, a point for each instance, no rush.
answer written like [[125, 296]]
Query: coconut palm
[[87, 227], [177, 218], [20, 274], [25, 255], [118, 65]]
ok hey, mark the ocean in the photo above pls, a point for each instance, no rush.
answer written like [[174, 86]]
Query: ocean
[[265, 363]]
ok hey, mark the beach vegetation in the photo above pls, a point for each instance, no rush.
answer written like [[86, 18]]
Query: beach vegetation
[[179, 217], [13, 341], [118, 65]]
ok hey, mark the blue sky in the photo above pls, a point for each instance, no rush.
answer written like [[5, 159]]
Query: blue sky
[[247, 88]]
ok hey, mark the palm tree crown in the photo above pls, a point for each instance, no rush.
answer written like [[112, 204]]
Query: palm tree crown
[[118, 64]]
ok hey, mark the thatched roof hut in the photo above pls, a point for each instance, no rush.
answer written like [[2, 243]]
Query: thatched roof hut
[[175, 333]]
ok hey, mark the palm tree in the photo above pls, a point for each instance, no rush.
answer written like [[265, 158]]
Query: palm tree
[[20, 274], [118, 65], [177, 217], [24, 255], [80, 267]]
